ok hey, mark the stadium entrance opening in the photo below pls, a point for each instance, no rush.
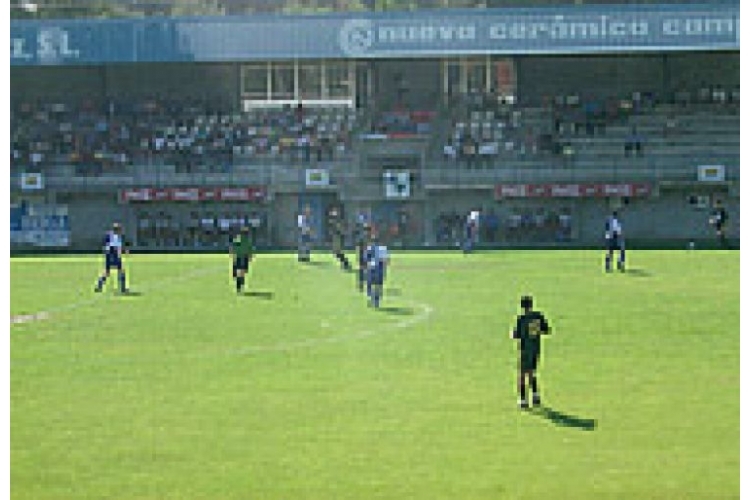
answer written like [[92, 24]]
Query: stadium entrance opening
[[406, 84]]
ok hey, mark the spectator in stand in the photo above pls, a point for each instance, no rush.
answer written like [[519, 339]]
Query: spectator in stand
[[634, 143], [175, 231], [565, 225], [515, 222], [705, 93], [719, 95], [491, 224], [143, 229], [671, 125], [193, 229]]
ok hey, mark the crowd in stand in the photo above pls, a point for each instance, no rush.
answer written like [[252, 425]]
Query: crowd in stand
[[486, 127], [201, 135], [400, 123], [189, 134], [160, 228], [529, 225]]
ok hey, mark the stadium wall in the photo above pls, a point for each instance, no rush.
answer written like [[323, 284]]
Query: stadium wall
[[603, 76]]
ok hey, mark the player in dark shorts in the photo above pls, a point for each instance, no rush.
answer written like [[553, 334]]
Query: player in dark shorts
[[614, 242], [530, 326], [377, 259], [361, 239], [242, 253], [114, 246], [337, 229], [719, 221]]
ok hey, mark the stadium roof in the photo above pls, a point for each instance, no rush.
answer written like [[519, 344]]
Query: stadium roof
[[427, 33]]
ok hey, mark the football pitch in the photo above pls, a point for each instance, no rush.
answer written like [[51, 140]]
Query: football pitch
[[297, 390]]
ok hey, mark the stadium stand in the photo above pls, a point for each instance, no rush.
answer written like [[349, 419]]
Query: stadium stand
[[188, 136], [181, 133]]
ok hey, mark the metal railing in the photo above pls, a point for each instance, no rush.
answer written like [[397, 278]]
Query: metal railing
[[444, 173]]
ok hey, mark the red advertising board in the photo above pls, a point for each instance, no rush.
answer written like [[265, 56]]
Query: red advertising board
[[253, 193], [571, 190]]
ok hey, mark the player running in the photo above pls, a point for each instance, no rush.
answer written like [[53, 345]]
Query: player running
[[718, 220], [614, 243], [530, 326], [242, 253], [377, 260], [337, 228], [114, 246]]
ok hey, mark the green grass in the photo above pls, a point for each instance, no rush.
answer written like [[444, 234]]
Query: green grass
[[301, 391]]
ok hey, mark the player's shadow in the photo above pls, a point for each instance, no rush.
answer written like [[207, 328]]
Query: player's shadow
[[398, 311], [259, 294], [563, 419], [131, 293], [638, 273], [316, 263]]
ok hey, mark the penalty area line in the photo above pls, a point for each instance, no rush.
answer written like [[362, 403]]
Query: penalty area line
[[20, 319], [426, 311]]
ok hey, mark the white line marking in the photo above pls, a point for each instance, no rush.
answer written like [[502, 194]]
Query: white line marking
[[46, 314], [427, 310]]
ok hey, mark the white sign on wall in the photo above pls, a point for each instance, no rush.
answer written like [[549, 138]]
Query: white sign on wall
[[32, 181], [397, 184], [711, 173], [317, 177]]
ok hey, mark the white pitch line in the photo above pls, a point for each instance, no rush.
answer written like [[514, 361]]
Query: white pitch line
[[46, 314], [314, 342]]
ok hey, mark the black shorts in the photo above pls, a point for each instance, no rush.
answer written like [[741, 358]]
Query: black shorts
[[613, 244], [529, 362], [241, 264]]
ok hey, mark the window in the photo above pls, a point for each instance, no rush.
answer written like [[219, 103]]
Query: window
[[337, 80], [310, 81], [254, 81], [454, 78], [476, 76], [282, 79]]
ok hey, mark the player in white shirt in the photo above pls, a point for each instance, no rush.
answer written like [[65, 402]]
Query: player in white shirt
[[471, 230], [377, 259], [615, 241], [113, 247], [304, 235]]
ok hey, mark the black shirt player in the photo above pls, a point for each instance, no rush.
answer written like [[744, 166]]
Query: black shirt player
[[336, 227], [719, 221], [530, 326]]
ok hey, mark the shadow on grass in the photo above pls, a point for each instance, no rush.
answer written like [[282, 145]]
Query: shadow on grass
[[130, 293], [397, 311], [563, 419], [638, 273], [259, 295], [316, 263]]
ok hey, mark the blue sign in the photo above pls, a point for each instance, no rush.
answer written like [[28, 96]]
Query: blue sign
[[429, 33]]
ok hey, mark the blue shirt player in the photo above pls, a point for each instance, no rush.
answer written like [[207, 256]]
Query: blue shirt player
[[361, 245], [614, 242], [377, 258], [114, 246]]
